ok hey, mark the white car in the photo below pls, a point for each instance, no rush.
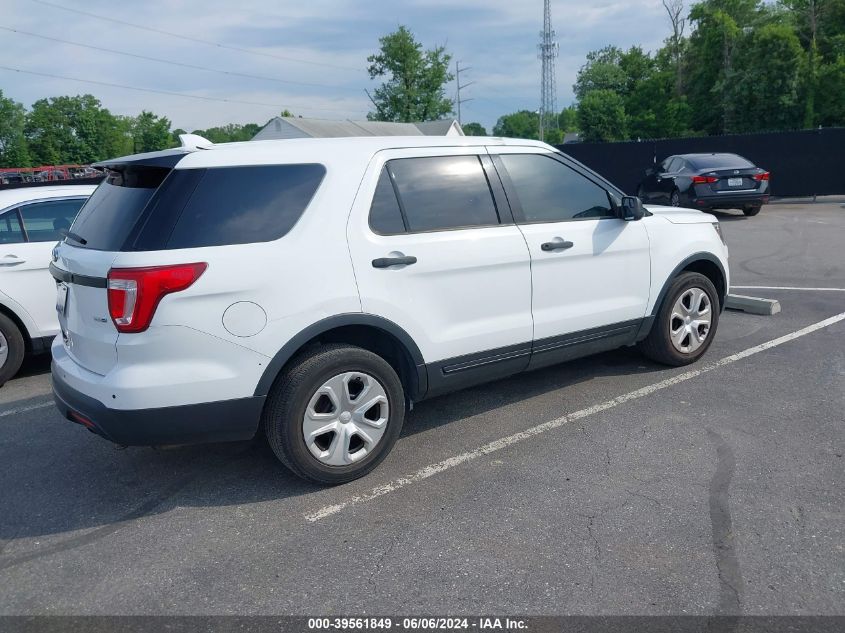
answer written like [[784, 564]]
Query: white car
[[31, 222], [315, 289]]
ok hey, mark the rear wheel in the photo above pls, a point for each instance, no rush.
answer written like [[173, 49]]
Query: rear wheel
[[12, 348], [675, 198], [686, 321], [749, 211], [335, 414]]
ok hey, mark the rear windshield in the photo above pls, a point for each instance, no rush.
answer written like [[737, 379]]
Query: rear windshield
[[106, 220], [201, 207], [719, 161]]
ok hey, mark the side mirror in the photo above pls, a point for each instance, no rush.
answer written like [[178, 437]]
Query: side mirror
[[631, 209]]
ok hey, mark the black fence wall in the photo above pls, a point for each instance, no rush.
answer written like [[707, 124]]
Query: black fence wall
[[805, 163]]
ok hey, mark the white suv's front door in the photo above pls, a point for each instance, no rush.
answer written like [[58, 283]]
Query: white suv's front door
[[590, 270], [436, 252]]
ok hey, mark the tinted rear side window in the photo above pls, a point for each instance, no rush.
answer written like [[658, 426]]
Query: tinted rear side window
[[385, 214], [443, 192], [107, 218], [241, 205], [49, 221]]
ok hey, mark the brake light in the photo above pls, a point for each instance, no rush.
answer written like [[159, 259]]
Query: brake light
[[763, 176], [134, 293], [700, 180]]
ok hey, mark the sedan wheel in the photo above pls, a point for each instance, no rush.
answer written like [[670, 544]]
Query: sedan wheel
[[675, 199]]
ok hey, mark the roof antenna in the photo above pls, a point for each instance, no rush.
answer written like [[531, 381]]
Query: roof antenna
[[194, 141]]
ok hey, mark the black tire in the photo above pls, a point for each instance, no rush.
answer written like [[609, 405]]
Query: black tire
[[292, 392], [15, 348], [658, 345], [749, 211], [675, 198]]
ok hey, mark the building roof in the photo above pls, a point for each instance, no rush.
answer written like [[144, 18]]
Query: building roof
[[297, 127]]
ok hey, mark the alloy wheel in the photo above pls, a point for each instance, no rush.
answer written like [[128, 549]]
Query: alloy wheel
[[4, 349]]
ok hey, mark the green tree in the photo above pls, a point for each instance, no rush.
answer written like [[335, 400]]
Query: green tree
[[14, 151], [830, 103], [474, 129], [151, 133], [78, 129], [601, 116], [522, 124], [567, 120], [602, 71], [415, 86], [766, 96]]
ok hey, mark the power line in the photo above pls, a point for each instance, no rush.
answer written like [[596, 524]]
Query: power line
[[168, 61], [193, 39], [173, 94]]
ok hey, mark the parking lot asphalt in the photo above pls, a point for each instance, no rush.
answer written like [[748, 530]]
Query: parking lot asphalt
[[608, 485]]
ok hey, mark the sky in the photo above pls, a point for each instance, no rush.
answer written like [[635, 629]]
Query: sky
[[308, 56]]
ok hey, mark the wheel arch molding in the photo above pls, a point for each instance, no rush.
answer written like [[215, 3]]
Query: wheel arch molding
[[705, 263], [349, 328]]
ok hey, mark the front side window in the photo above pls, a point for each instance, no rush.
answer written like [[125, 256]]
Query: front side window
[[443, 192], [549, 191], [49, 221], [10, 228]]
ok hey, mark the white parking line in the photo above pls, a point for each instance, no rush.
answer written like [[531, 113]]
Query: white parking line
[[29, 407], [504, 442], [786, 288]]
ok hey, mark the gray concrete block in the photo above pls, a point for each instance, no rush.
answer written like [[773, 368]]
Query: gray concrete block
[[752, 305]]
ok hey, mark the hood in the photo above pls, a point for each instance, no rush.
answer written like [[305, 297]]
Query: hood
[[680, 215]]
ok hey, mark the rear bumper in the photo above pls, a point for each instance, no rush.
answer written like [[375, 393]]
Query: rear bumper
[[223, 421], [729, 200]]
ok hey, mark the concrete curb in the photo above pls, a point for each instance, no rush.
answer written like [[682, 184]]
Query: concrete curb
[[752, 305]]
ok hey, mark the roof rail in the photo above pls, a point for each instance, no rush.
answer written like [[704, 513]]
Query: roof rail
[[194, 141]]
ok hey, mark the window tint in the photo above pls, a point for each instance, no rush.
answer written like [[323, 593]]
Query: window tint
[[385, 214], [49, 221], [10, 228], [443, 192], [549, 191], [106, 219], [241, 205]]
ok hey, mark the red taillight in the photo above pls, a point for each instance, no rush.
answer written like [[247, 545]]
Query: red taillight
[[763, 176], [700, 180], [134, 293]]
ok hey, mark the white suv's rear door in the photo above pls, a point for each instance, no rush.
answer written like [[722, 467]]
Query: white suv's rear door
[[444, 262]]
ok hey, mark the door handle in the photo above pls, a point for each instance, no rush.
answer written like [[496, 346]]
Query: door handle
[[387, 262], [11, 260], [556, 246]]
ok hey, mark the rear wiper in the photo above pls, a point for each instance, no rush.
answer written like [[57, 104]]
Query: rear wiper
[[77, 238]]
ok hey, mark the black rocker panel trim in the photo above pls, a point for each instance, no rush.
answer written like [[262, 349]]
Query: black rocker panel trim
[[473, 369]]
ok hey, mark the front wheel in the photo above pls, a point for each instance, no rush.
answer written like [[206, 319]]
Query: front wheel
[[686, 321], [335, 414]]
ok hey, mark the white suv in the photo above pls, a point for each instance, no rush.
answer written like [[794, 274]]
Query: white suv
[[315, 289], [32, 220]]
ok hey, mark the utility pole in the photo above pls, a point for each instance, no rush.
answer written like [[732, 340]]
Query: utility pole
[[458, 100], [549, 49]]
